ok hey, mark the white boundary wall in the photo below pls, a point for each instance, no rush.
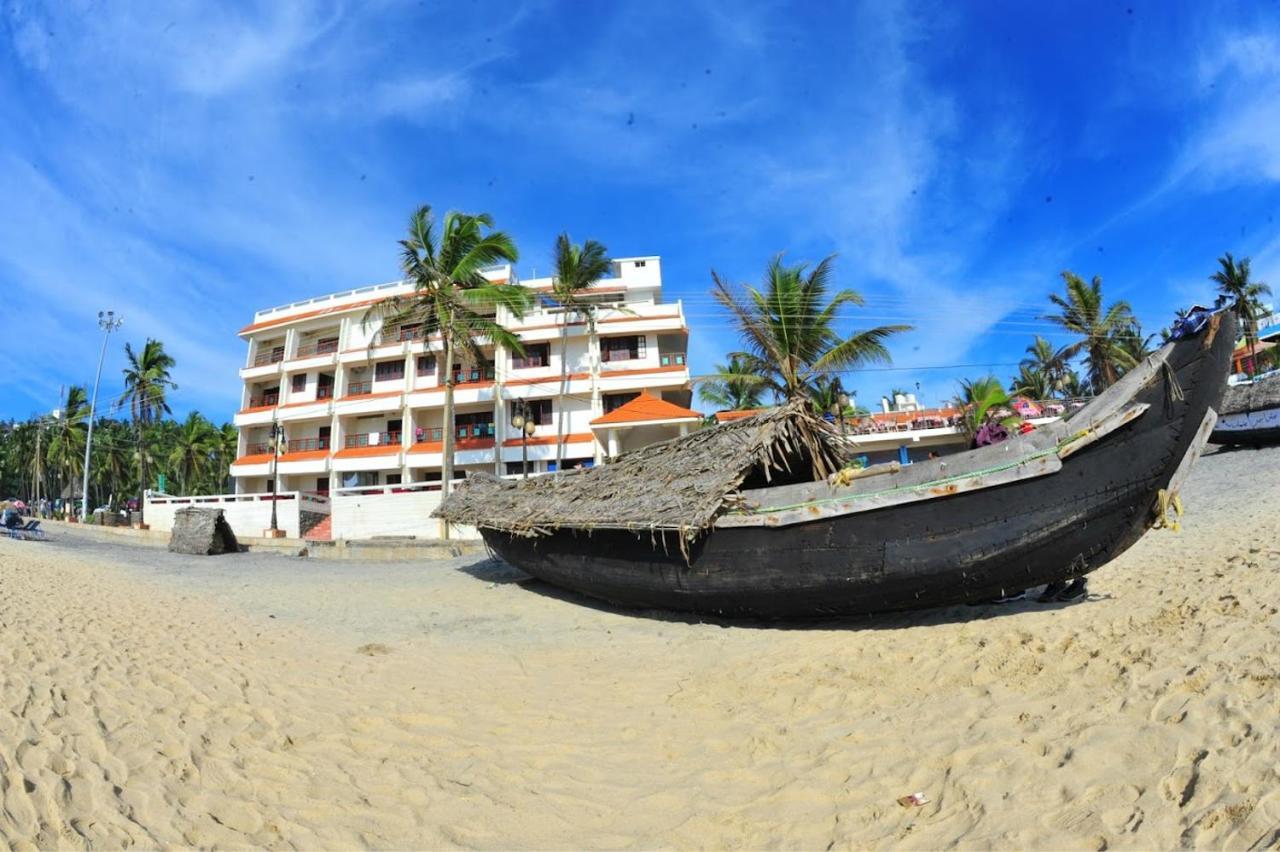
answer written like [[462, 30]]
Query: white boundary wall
[[391, 510], [248, 514]]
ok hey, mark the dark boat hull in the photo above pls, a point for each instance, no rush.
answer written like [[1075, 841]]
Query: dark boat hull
[[971, 546]]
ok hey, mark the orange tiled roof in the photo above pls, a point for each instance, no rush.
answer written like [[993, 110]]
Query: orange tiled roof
[[305, 455], [542, 440], [727, 416], [644, 408], [259, 458], [360, 397], [362, 452], [319, 312], [460, 444]]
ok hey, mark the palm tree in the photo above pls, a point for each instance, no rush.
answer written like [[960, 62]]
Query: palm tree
[[1245, 295], [195, 451], [1042, 358], [228, 446], [146, 382], [1074, 387], [788, 326], [577, 268], [1102, 329], [451, 296], [735, 386], [67, 437], [1033, 382], [1135, 346], [979, 399], [114, 462]]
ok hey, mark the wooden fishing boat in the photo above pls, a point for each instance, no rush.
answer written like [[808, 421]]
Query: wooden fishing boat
[[1250, 414], [746, 518]]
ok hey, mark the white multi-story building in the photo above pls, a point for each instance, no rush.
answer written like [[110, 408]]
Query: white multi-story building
[[361, 404]]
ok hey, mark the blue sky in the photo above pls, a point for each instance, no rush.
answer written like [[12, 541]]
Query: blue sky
[[189, 166]]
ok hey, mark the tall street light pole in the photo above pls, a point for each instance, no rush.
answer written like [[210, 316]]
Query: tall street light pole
[[276, 434], [108, 322]]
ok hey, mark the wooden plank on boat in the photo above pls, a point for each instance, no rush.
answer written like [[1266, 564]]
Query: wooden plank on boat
[[854, 503], [1096, 431], [1193, 452]]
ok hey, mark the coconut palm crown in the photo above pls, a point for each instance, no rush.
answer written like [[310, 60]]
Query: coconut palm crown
[[1102, 328], [788, 325], [577, 267], [451, 296], [1234, 282]]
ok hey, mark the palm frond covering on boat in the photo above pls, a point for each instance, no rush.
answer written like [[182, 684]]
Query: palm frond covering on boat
[[682, 484], [1252, 396]]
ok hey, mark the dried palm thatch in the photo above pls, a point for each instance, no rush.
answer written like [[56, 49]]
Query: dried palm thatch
[[682, 484], [1254, 396]]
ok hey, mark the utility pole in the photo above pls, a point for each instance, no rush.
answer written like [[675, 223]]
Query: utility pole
[[108, 322]]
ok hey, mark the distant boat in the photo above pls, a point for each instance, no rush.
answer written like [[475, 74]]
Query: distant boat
[[1250, 413], [744, 519]]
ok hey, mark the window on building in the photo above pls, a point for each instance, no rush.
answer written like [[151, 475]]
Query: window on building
[[411, 331], [393, 479], [614, 401], [537, 410], [535, 355], [426, 365], [299, 383], [626, 348], [477, 424], [388, 370], [639, 264], [359, 478], [517, 468]]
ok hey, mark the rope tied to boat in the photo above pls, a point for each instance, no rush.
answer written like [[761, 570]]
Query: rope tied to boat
[[1168, 511], [1172, 389]]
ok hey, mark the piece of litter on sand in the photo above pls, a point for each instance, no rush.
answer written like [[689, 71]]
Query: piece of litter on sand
[[914, 800]]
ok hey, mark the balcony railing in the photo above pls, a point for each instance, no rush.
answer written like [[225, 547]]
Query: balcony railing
[[475, 374], [373, 439], [273, 357], [475, 430], [307, 445], [359, 388], [260, 449], [324, 392], [323, 347], [265, 400], [404, 333]]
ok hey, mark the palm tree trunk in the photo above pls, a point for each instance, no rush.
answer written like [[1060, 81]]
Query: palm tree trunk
[[564, 388], [593, 350], [142, 472], [446, 465]]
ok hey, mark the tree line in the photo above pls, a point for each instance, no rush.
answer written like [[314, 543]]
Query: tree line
[[791, 348], [43, 456]]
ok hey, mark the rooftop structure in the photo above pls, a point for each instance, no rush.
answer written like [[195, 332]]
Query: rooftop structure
[[361, 404]]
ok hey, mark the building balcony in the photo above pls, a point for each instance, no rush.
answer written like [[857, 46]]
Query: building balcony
[[307, 409], [369, 403], [314, 355]]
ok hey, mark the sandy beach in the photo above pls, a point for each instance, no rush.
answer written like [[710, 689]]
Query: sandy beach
[[254, 700]]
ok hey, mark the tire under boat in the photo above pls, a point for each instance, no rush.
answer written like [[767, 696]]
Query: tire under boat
[[968, 527]]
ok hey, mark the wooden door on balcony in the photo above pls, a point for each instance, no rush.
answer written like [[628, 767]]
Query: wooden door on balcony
[[323, 442]]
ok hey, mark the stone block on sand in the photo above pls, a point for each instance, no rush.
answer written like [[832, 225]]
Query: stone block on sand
[[202, 531]]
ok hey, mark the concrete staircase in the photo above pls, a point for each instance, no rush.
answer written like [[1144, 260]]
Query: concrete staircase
[[322, 531]]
